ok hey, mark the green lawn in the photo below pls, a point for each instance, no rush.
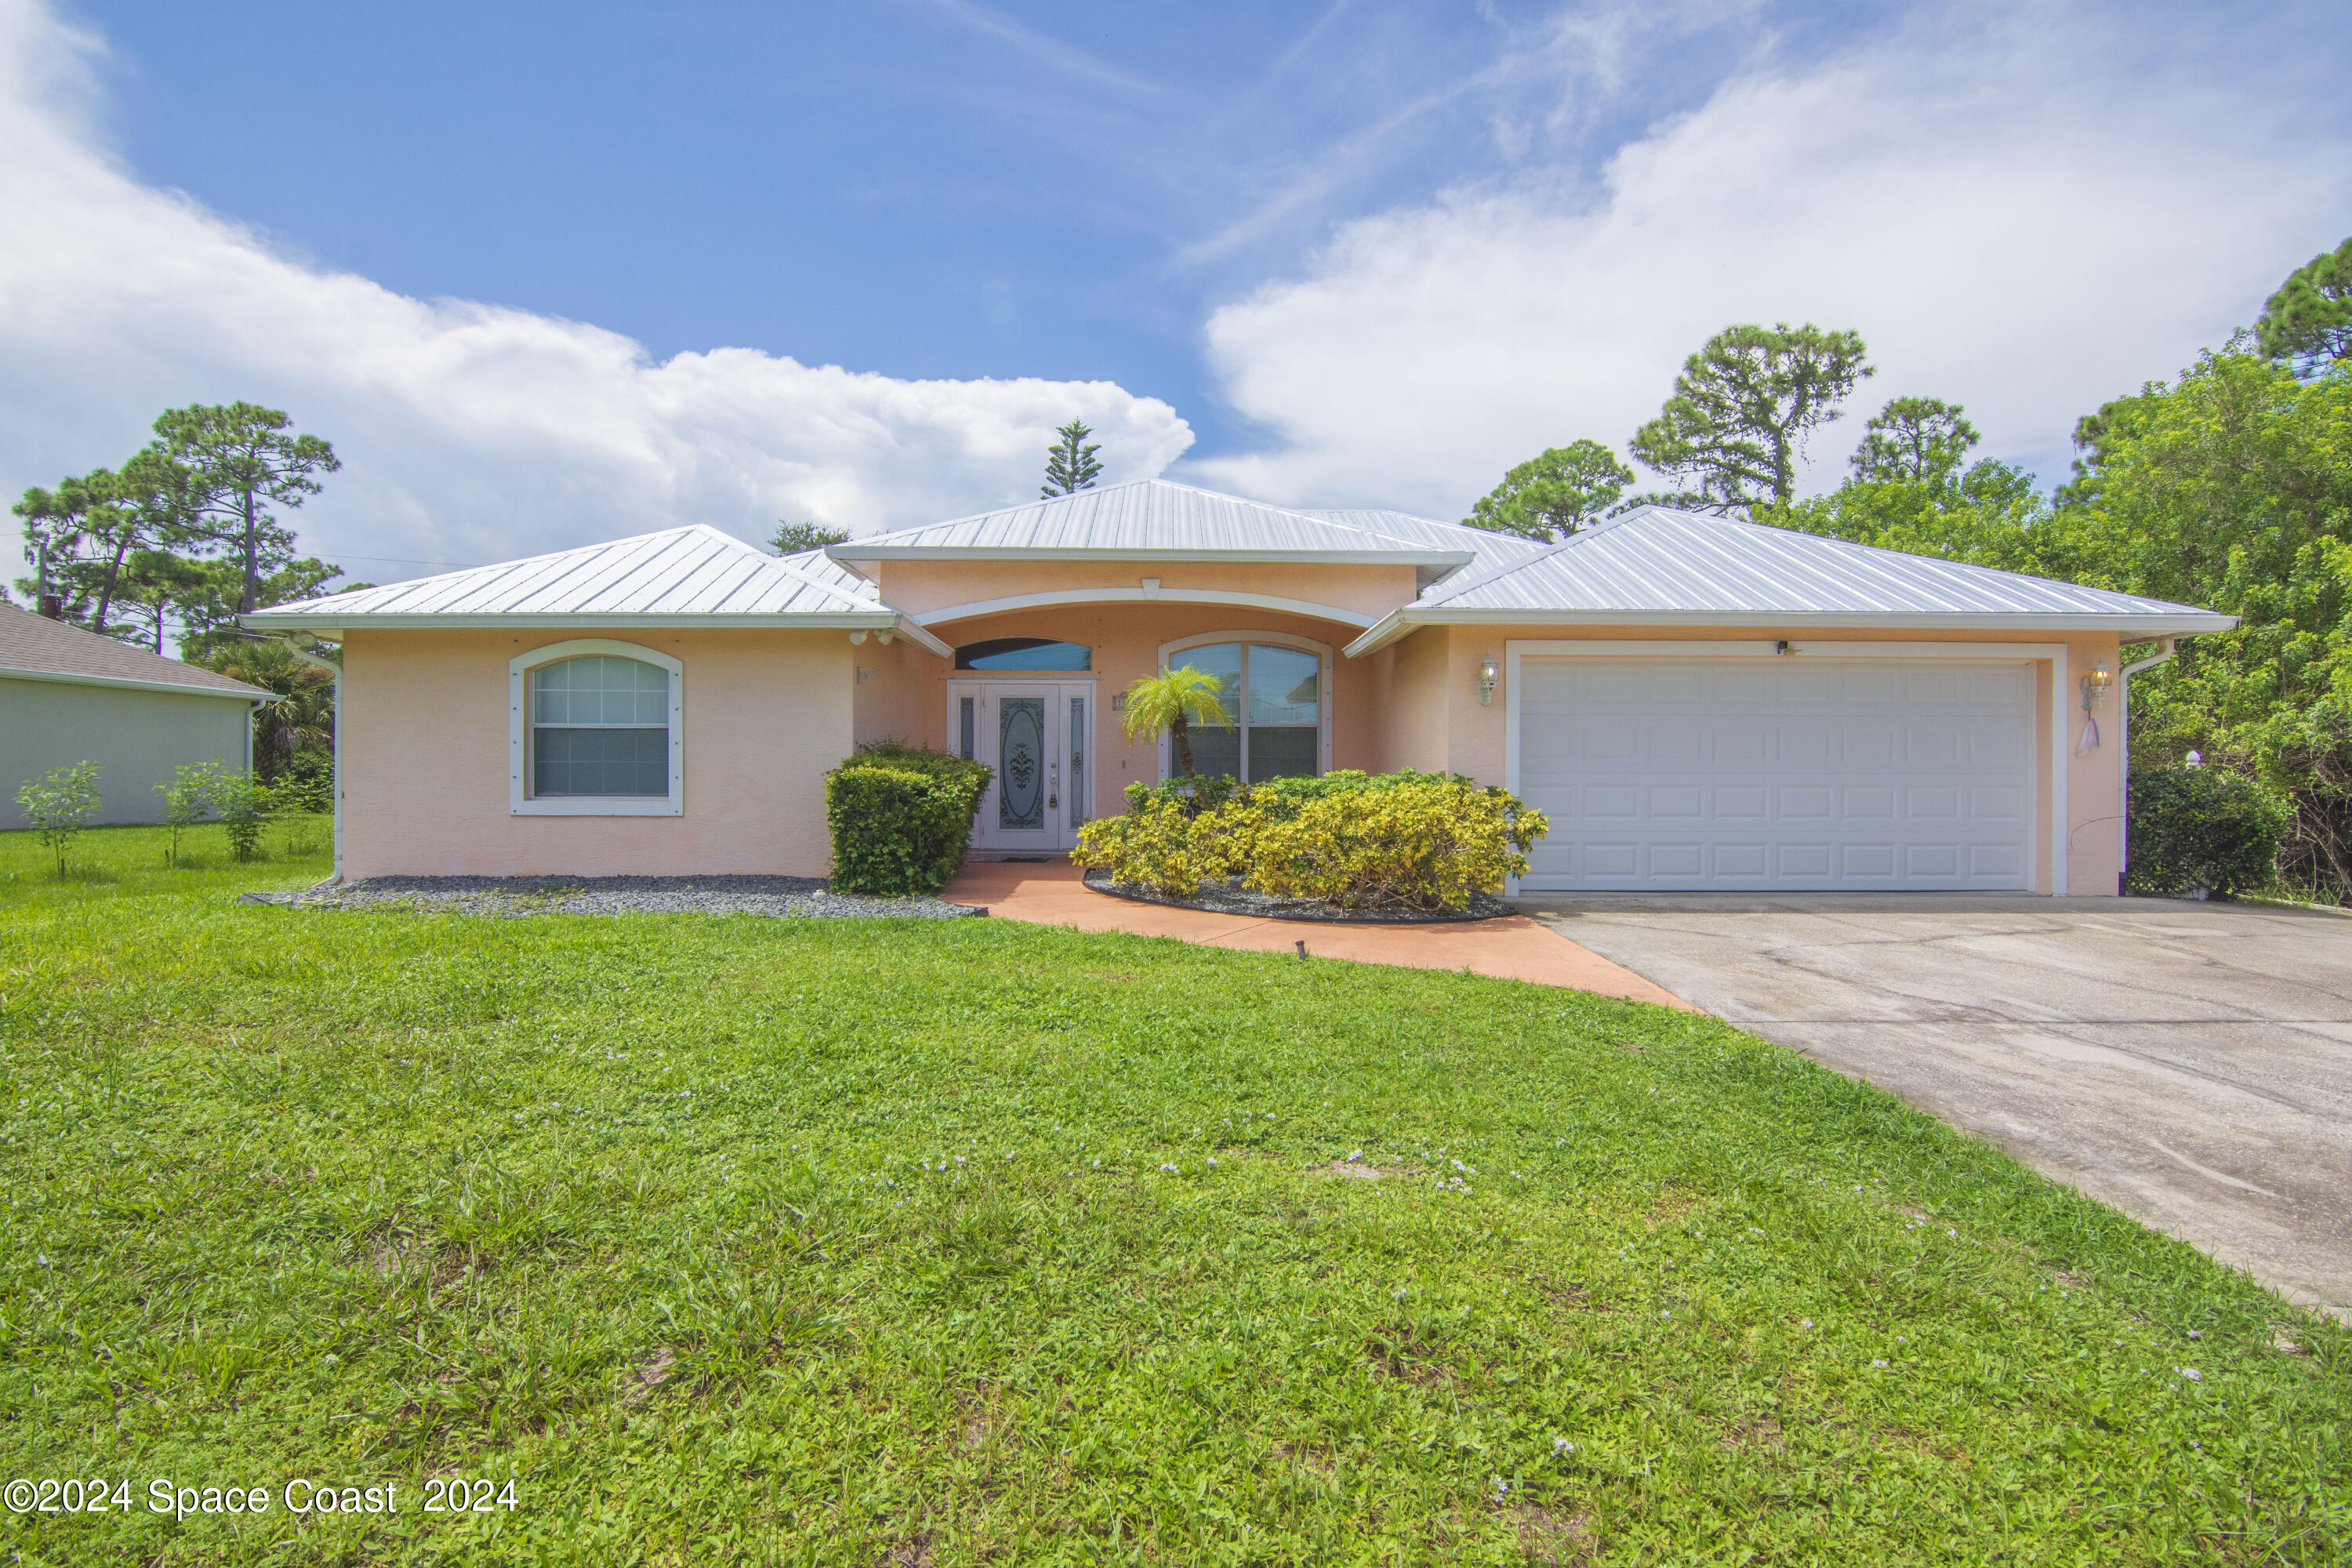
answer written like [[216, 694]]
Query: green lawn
[[902, 1242]]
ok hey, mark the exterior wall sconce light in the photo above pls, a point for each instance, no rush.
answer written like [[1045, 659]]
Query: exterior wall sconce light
[[2095, 691], [2095, 685], [1487, 676]]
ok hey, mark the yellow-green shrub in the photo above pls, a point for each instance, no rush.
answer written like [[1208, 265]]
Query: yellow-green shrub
[[1405, 842], [1397, 841], [1158, 846]]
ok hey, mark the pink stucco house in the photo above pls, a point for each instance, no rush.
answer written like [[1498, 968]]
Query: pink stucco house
[[1698, 703]]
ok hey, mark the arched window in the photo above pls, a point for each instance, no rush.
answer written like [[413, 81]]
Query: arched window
[[1274, 690], [1023, 653], [596, 730]]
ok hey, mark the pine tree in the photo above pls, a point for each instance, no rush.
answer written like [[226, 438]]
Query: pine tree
[[798, 538], [1742, 407], [1070, 465]]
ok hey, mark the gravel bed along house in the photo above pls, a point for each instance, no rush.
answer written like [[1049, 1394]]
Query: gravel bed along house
[[1230, 898], [797, 897]]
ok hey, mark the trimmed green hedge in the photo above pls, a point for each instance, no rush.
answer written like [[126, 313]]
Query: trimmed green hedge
[[2196, 828], [901, 818]]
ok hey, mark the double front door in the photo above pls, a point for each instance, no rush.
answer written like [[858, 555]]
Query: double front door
[[1038, 735]]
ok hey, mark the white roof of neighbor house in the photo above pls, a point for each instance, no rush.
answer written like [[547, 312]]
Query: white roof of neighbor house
[[1660, 566], [34, 647], [1147, 520], [694, 575]]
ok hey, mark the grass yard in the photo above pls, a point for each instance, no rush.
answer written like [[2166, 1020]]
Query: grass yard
[[725, 1239]]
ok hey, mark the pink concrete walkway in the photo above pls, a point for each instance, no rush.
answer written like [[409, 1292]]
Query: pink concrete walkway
[[1515, 948]]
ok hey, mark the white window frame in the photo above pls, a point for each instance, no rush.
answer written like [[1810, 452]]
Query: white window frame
[[1322, 652], [520, 801]]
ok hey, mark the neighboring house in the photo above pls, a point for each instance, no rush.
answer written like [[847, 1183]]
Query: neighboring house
[[1698, 703], [68, 696]]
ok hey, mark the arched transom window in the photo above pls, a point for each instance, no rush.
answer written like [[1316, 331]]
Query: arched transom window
[[1274, 692]]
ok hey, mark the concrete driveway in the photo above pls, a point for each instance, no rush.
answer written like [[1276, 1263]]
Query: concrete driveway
[[2189, 1063]]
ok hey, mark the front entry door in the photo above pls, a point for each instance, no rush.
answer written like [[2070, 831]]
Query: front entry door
[[1037, 736]]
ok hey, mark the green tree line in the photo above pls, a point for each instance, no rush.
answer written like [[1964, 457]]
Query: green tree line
[[189, 531], [2229, 486]]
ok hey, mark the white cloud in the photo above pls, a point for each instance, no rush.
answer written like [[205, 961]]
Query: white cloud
[[2018, 213], [468, 432]]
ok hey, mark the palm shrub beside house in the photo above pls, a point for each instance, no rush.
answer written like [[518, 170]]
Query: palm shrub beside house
[[1351, 840], [900, 817]]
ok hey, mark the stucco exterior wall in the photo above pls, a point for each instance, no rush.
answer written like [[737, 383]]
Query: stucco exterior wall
[[1414, 732], [766, 714], [919, 587], [425, 758], [138, 739], [1126, 639], [1435, 721], [898, 699]]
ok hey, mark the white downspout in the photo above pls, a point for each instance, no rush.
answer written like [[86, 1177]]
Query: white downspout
[[2122, 737], [336, 777]]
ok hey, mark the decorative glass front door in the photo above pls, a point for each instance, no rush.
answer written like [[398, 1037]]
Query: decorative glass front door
[[1021, 763], [1035, 734]]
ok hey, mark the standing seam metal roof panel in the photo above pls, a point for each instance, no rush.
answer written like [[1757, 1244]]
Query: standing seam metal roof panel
[[694, 571], [1143, 516], [1658, 559]]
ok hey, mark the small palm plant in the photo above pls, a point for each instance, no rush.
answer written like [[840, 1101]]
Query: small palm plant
[[1171, 703]]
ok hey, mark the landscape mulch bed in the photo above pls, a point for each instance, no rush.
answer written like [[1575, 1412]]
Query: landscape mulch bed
[[785, 897]]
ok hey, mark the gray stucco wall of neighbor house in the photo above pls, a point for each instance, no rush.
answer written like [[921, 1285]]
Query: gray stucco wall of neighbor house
[[137, 739]]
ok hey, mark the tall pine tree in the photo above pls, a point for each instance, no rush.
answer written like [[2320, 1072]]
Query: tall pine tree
[[1070, 464]]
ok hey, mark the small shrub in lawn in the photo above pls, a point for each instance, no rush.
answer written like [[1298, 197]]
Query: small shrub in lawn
[[2201, 828], [242, 803], [187, 801], [306, 785], [58, 806], [901, 818]]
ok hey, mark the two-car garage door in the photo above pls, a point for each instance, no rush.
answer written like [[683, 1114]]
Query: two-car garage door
[[1778, 774]]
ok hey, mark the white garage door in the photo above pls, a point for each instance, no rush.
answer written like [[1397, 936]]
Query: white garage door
[[1783, 774]]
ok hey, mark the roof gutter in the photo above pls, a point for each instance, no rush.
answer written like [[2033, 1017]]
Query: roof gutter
[[337, 626], [1401, 623], [128, 683]]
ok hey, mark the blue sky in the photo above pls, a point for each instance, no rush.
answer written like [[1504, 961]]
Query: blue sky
[[919, 189], [1359, 253]]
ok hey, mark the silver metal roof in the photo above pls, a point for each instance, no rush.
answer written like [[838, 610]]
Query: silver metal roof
[[1147, 520], [696, 575], [1662, 566], [1485, 543]]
